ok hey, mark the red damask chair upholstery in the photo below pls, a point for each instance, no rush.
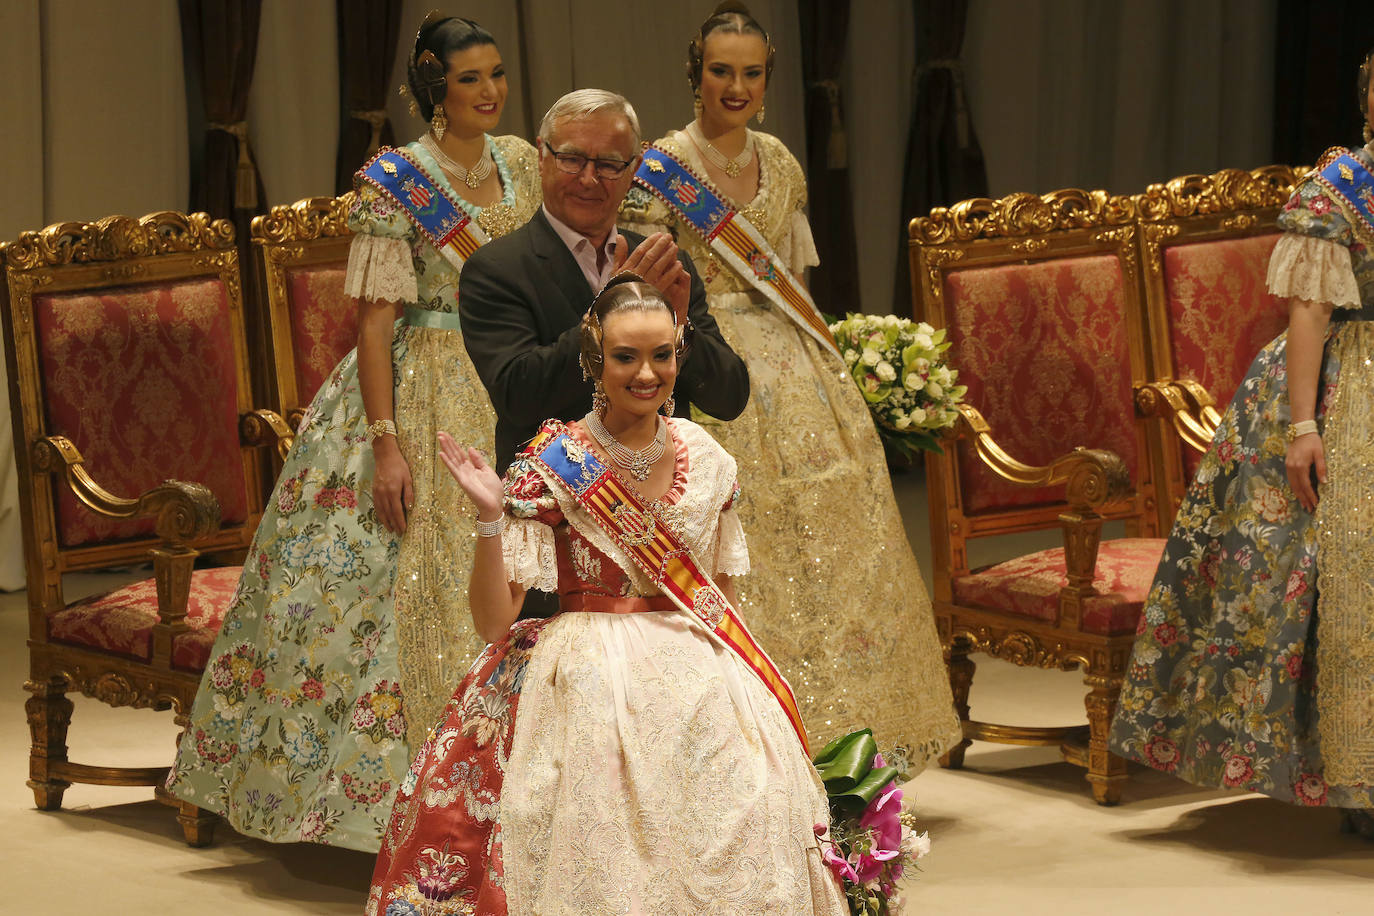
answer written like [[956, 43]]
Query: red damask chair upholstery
[[1040, 298], [124, 342], [304, 252], [1205, 242]]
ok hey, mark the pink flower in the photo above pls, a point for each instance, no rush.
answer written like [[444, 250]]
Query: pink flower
[[838, 865], [882, 817]]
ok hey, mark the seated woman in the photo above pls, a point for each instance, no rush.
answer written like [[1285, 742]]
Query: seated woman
[[636, 753]]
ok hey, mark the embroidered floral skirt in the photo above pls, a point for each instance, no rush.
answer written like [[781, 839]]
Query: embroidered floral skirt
[[608, 763], [1223, 686], [834, 591], [303, 725]]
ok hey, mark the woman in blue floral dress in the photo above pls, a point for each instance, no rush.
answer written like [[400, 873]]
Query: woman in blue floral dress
[[1254, 667], [350, 623]]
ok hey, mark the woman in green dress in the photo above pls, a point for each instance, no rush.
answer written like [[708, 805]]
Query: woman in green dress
[[350, 623]]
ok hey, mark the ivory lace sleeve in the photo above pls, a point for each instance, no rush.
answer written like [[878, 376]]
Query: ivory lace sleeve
[[1313, 268], [380, 269]]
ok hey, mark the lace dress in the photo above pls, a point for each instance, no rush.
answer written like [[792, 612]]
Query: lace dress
[[616, 761], [343, 641], [835, 591], [1253, 665]]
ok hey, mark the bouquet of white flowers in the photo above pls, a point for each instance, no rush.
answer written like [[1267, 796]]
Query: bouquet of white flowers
[[900, 368]]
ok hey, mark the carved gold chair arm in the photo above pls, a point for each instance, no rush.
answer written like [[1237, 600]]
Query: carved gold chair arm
[[184, 511], [1092, 477], [1185, 404], [266, 427]]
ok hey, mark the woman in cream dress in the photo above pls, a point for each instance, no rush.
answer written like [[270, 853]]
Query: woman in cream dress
[[619, 757], [834, 591], [350, 622]]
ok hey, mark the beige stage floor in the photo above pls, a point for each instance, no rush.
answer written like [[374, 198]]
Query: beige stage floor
[[1016, 832]]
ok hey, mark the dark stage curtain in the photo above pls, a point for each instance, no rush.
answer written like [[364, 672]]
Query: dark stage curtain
[[220, 45], [944, 163], [1319, 51], [368, 35], [824, 31]]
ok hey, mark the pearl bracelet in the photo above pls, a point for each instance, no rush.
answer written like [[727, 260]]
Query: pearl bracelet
[[1301, 428], [378, 428], [492, 528]]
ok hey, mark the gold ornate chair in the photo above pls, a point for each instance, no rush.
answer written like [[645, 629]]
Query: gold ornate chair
[[1040, 298], [124, 343], [1205, 242], [304, 252]]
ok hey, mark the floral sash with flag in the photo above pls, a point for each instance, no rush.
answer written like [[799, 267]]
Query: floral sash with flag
[[648, 538], [732, 237], [434, 212]]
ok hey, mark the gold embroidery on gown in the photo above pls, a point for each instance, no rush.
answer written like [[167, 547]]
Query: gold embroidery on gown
[[437, 388], [834, 593]]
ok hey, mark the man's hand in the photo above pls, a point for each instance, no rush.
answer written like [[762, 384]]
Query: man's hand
[[656, 261]]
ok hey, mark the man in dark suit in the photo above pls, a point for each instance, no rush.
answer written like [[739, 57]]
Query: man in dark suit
[[523, 296]]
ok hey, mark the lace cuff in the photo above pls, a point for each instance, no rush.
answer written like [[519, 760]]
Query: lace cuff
[[380, 269], [798, 247], [1315, 269], [732, 556], [531, 558]]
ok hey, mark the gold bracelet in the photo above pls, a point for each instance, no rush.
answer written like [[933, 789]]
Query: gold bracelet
[[378, 428], [1300, 428]]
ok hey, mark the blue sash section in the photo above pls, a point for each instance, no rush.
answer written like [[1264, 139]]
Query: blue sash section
[[575, 464], [1348, 177], [402, 179], [664, 176]]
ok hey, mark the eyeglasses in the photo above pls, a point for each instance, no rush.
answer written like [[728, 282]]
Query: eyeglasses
[[574, 163]]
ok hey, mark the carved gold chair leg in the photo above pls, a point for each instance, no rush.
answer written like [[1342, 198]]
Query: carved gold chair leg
[[1106, 771], [961, 669], [49, 714]]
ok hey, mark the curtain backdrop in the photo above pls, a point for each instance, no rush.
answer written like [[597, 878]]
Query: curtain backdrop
[[1314, 105], [368, 35], [824, 33], [944, 163]]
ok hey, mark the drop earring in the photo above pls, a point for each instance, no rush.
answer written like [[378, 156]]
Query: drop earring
[[696, 102], [669, 406], [759, 117], [439, 123], [599, 399]]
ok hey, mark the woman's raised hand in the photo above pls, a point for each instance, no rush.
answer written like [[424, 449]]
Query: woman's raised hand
[[474, 475]]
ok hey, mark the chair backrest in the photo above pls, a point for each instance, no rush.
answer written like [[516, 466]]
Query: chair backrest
[[1040, 299], [1205, 242], [126, 337], [304, 252]]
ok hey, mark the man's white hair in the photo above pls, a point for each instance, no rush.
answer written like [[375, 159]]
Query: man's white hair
[[583, 102]]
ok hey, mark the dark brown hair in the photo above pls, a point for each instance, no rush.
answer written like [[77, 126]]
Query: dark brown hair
[[438, 39], [733, 18], [627, 292]]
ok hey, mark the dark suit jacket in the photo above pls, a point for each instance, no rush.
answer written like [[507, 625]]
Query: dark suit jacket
[[521, 299]]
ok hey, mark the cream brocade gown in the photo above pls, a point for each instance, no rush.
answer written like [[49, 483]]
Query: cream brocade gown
[[835, 592], [343, 641]]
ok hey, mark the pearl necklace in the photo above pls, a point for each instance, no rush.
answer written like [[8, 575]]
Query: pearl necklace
[[472, 177], [639, 462], [731, 167]]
